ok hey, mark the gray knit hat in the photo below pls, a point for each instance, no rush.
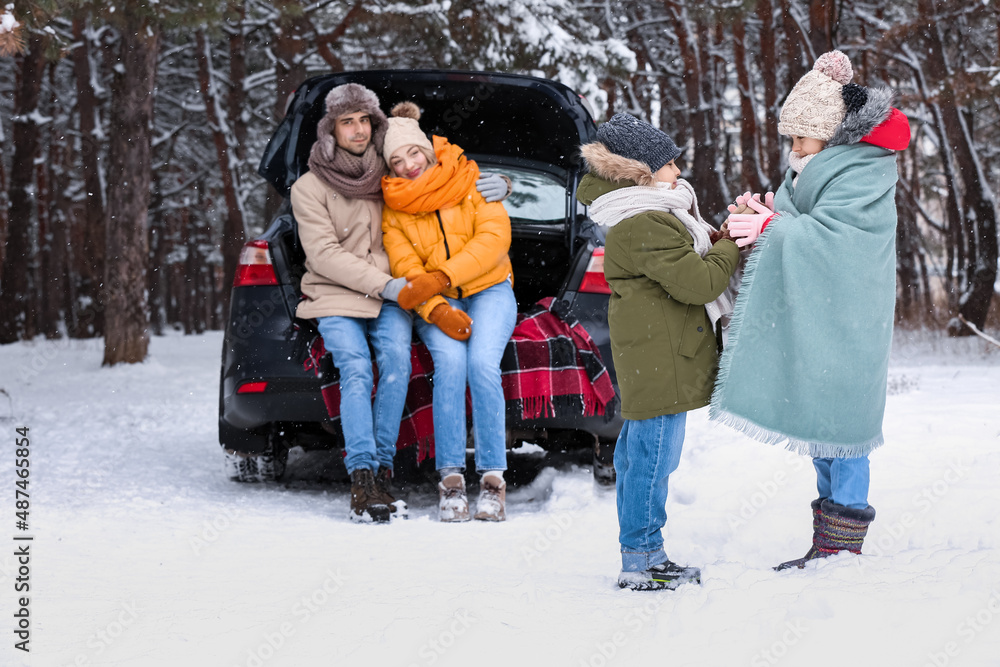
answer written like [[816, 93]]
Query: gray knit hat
[[635, 139]]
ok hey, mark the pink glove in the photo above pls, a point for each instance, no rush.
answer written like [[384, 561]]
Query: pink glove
[[746, 227], [741, 202]]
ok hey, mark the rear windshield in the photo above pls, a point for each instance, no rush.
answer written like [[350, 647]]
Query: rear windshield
[[537, 198]]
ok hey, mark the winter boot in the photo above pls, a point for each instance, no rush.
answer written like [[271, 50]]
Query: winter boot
[[453, 506], [665, 575], [367, 505], [604, 462], [492, 498], [835, 528], [383, 484]]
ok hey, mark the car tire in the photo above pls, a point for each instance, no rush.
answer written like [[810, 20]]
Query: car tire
[[268, 466], [604, 462]]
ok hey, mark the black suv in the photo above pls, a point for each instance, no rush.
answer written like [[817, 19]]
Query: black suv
[[524, 127]]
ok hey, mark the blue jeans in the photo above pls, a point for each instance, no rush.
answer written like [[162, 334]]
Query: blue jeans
[[844, 481], [370, 433], [475, 362], [647, 451]]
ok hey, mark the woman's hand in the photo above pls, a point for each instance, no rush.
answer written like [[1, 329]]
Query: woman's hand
[[746, 227], [452, 321], [422, 288]]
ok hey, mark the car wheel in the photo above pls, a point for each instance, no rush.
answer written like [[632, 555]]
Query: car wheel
[[604, 462], [268, 466]]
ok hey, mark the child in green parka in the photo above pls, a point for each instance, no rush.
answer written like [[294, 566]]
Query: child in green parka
[[670, 287]]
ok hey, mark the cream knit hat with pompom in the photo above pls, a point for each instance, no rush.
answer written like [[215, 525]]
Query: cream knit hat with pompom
[[404, 130], [815, 107]]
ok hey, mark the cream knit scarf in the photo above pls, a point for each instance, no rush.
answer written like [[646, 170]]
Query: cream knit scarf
[[680, 201], [798, 163]]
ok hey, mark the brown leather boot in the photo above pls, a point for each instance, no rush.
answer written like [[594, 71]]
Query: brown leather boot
[[367, 504], [383, 484]]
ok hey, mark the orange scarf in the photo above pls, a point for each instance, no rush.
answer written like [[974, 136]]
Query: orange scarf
[[440, 186]]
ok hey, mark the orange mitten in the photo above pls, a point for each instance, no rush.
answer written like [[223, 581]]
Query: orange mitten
[[452, 321], [422, 288]]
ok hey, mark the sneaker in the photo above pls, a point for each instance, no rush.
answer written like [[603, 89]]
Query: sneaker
[[366, 502], [492, 498], [665, 575], [383, 484], [453, 506]]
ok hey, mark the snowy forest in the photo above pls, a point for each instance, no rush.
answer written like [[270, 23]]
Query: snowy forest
[[132, 129]]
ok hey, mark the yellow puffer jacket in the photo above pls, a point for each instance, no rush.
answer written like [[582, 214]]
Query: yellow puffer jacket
[[467, 241]]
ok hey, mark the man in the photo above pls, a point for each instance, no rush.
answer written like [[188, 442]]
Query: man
[[347, 287]]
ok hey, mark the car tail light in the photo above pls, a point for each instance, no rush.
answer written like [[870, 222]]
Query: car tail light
[[593, 280], [255, 266], [252, 388]]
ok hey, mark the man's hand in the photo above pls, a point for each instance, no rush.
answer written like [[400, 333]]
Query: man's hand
[[391, 290], [422, 288], [452, 321], [493, 187]]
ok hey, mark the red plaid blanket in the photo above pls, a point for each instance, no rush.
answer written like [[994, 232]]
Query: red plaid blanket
[[550, 368]]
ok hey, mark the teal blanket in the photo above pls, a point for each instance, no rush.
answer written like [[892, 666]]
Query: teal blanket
[[808, 351]]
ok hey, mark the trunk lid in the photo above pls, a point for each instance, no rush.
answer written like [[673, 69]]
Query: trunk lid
[[499, 118]]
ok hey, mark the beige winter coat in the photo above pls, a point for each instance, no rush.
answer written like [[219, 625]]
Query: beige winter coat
[[346, 265]]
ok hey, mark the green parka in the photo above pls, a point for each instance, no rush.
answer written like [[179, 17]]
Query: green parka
[[665, 351]]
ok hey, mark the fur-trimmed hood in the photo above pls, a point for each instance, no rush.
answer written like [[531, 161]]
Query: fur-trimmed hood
[[867, 108], [613, 167]]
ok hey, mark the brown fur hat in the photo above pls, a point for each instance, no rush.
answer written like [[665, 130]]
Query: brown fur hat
[[345, 99]]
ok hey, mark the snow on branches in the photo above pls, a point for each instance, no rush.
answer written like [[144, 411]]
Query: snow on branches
[[11, 37]]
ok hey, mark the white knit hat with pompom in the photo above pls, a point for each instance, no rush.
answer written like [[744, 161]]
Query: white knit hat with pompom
[[815, 107], [404, 130]]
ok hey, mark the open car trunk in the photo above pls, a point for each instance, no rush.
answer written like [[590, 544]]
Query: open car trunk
[[525, 128]]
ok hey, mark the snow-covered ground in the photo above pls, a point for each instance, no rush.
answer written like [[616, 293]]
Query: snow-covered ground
[[144, 555]]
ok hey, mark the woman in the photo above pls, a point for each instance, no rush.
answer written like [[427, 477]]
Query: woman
[[451, 244]]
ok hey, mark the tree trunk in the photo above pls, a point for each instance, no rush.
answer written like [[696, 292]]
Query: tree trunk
[[769, 81], [750, 162], [822, 15], [47, 269], [16, 307], [796, 46], [976, 205], [4, 204], [706, 180], [126, 338], [289, 70], [233, 235], [89, 315]]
